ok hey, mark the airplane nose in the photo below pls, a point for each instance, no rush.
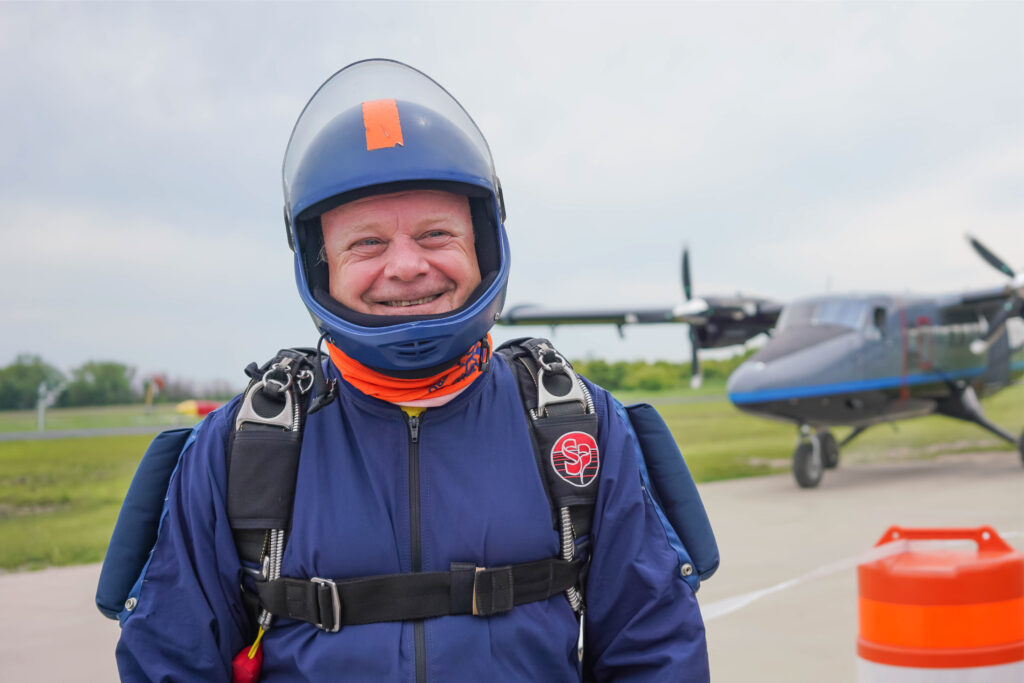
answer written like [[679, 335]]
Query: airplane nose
[[749, 377], [774, 375]]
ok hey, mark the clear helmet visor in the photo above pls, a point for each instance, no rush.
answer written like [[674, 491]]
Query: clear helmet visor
[[368, 81]]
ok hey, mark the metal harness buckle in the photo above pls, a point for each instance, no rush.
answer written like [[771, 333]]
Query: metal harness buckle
[[246, 413], [305, 381], [281, 369], [476, 575], [262, 572], [559, 366], [335, 603]]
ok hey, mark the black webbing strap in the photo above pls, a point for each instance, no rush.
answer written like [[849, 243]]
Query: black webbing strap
[[525, 356], [400, 597]]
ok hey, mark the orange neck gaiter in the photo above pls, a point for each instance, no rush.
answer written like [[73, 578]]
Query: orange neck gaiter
[[394, 390]]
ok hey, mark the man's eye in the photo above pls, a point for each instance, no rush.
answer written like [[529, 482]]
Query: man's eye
[[435, 235], [368, 242]]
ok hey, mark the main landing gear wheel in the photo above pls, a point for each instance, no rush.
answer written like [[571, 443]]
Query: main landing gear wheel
[[807, 462], [829, 449]]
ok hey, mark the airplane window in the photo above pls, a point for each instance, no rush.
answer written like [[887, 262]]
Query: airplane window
[[795, 315], [842, 312], [879, 319], [845, 313]]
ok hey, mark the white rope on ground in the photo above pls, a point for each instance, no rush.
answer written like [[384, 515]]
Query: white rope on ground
[[720, 608]]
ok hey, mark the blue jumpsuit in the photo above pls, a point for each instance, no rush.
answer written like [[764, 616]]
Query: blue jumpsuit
[[370, 499]]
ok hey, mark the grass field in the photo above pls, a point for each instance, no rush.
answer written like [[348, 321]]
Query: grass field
[[59, 499], [720, 442], [93, 418]]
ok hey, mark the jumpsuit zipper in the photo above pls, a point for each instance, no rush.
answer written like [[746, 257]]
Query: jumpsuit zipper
[[415, 540]]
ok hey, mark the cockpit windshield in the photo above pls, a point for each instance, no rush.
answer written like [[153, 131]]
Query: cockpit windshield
[[839, 312]]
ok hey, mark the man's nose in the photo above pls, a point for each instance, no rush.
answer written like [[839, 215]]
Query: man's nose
[[405, 260]]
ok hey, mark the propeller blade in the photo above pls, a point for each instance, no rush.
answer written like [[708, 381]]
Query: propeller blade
[[1011, 308], [687, 289], [992, 259], [696, 374]]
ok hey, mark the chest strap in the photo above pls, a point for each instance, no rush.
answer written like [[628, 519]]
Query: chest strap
[[466, 589]]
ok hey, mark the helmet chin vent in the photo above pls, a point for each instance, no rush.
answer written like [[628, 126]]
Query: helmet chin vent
[[419, 351]]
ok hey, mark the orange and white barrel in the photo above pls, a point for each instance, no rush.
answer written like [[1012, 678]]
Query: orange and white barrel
[[943, 615]]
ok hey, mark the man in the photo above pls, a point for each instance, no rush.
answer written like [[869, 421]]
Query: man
[[424, 465], [405, 253]]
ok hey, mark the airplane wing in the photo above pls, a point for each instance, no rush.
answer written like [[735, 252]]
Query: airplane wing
[[717, 320], [984, 300], [714, 321], [529, 314]]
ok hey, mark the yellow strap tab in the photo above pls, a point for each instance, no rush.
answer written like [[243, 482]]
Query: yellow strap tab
[[256, 643]]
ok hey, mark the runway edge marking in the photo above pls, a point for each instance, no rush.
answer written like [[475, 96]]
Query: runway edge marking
[[721, 608]]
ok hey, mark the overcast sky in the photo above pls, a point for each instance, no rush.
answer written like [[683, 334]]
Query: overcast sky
[[794, 146]]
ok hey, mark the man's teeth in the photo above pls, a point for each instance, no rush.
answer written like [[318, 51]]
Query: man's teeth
[[414, 302]]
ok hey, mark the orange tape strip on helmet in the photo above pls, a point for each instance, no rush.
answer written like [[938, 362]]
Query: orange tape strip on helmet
[[383, 125]]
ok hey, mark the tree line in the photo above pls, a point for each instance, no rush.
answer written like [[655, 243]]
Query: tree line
[[100, 383], [653, 376], [94, 383]]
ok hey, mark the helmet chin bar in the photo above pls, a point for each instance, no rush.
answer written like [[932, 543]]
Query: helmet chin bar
[[382, 322]]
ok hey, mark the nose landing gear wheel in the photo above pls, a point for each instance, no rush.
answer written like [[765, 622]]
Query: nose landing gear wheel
[[807, 462]]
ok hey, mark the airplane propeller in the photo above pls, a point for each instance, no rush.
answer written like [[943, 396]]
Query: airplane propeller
[[696, 374], [687, 290], [1014, 304], [993, 260]]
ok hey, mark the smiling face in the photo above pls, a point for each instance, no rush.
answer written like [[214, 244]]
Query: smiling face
[[406, 253]]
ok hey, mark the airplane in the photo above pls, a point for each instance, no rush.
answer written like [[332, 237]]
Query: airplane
[[850, 360]]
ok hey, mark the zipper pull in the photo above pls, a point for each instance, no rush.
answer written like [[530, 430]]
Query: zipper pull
[[414, 428], [579, 639]]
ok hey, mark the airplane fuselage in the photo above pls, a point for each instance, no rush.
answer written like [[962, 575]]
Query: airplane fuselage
[[860, 360]]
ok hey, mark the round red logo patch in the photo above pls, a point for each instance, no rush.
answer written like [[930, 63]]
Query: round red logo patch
[[574, 457]]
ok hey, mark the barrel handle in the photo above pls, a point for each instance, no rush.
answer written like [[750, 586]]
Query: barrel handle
[[985, 536]]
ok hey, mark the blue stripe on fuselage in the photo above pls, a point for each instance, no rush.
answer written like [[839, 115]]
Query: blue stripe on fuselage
[[786, 393]]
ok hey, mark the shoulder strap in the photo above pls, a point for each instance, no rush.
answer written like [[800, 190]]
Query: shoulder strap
[[564, 428], [263, 455], [664, 471]]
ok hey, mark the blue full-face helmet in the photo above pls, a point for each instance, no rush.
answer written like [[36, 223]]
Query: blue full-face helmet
[[375, 127]]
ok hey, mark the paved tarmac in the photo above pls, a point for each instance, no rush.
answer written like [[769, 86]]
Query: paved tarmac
[[769, 532]]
